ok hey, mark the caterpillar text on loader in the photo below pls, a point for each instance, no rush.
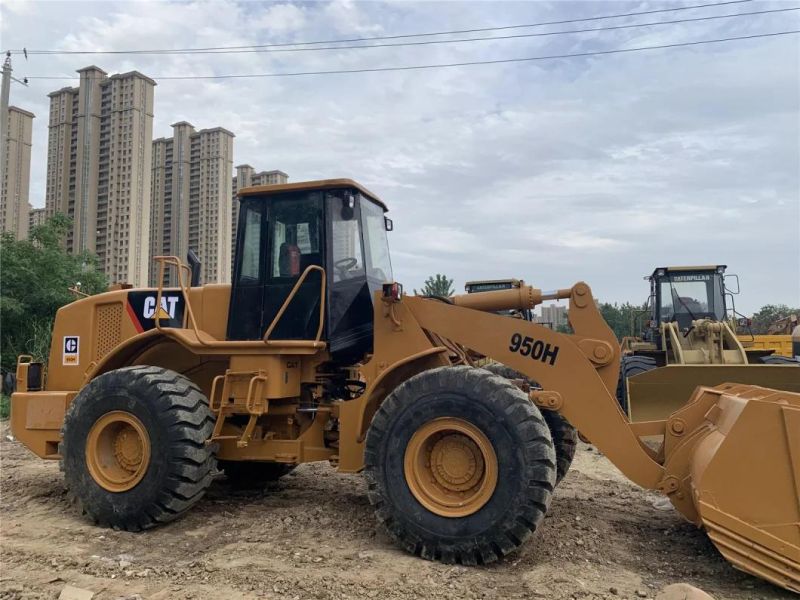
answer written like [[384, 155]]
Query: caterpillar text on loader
[[314, 353], [688, 341]]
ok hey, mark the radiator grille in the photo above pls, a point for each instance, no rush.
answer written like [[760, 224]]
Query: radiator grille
[[108, 319]]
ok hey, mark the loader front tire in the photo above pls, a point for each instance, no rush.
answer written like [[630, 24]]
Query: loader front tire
[[460, 466], [133, 448], [565, 436]]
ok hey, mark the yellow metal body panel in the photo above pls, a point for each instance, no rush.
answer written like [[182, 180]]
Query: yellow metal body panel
[[654, 395], [36, 419], [781, 344]]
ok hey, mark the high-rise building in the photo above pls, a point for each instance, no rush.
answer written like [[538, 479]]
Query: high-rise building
[[554, 316], [37, 217], [191, 200], [99, 166], [246, 176], [14, 189]]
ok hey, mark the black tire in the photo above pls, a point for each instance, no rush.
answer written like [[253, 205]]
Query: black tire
[[628, 367], [176, 417], [509, 373], [777, 359], [565, 436], [252, 474], [525, 460]]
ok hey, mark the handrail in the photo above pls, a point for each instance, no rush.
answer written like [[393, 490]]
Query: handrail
[[291, 296], [176, 262]]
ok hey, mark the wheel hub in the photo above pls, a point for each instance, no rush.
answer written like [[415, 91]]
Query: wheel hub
[[456, 462], [117, 451], [450, 467], [128, 448]]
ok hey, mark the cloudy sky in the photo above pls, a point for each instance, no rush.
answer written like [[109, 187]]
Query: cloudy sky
[[594, 168]]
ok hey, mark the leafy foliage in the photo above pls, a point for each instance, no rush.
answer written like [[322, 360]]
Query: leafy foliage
[[625, 319], [770, 313], [35, 277], [437, 285]]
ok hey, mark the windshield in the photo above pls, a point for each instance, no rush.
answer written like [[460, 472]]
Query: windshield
[[696, 295]]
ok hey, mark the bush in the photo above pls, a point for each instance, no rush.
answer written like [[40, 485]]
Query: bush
[[35, 277]]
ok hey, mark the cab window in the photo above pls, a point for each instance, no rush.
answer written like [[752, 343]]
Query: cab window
[[295, 231], [347, 255], [249, 270], [376, 243]]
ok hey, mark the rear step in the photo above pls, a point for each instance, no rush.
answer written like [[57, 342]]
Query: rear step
[[231, 401]]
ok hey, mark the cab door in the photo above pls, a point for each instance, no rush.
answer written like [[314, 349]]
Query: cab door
[[245, 313]]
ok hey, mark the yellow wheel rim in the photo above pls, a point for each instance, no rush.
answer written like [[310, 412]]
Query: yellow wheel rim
[[117, 451], [450, 467]]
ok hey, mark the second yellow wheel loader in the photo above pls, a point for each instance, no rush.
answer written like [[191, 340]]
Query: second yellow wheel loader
[[313, 353], [688, 340]]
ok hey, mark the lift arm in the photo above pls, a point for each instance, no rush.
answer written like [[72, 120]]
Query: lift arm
[[578, 371]]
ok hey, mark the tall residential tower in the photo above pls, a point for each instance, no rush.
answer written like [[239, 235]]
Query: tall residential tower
[[191, 198], [99, 167], [15, 152]]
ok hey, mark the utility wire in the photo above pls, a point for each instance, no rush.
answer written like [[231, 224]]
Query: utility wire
[[477, 39], [387, 37], [459, 64]]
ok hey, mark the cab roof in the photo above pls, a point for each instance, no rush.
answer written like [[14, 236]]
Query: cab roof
[[665, 270], [316, 185]]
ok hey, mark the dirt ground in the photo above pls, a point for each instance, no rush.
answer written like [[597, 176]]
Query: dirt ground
[[312, 535]]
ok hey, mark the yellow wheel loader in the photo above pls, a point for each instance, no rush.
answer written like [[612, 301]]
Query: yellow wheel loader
[[688, 340], [314, 353]]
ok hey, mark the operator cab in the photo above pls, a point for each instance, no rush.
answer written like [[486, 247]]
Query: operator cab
[[685, 294], [285, 230]]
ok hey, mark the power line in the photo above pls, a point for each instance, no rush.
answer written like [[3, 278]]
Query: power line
[[474, 39], [459, 64], [387, 37]]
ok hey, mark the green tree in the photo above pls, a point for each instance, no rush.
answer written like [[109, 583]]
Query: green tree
[[768, 314], [437, 285], [624, 319], [35, 277]]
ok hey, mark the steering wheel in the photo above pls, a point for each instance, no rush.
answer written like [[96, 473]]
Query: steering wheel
[[343, 265]]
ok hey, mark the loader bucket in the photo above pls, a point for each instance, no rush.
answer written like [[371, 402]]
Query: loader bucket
[[656, 394], [745, 479]]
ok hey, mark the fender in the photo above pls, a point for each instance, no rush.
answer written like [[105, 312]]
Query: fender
[[356, 415]]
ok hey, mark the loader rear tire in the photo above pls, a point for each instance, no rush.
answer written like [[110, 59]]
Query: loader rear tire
[[629, 366], [777, 359], [565, 436], [488, 457], [253, 474], [133, 451]]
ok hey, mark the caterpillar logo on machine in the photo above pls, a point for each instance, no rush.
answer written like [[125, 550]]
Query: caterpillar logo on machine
[[70, 353], [143, 309]]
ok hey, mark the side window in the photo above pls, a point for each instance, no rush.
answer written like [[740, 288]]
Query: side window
[[348, 258], [296, 229], [251, 246], [379, 265]]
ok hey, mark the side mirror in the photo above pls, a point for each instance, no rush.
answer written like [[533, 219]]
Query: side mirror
[[388, 224], [734, 278]]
